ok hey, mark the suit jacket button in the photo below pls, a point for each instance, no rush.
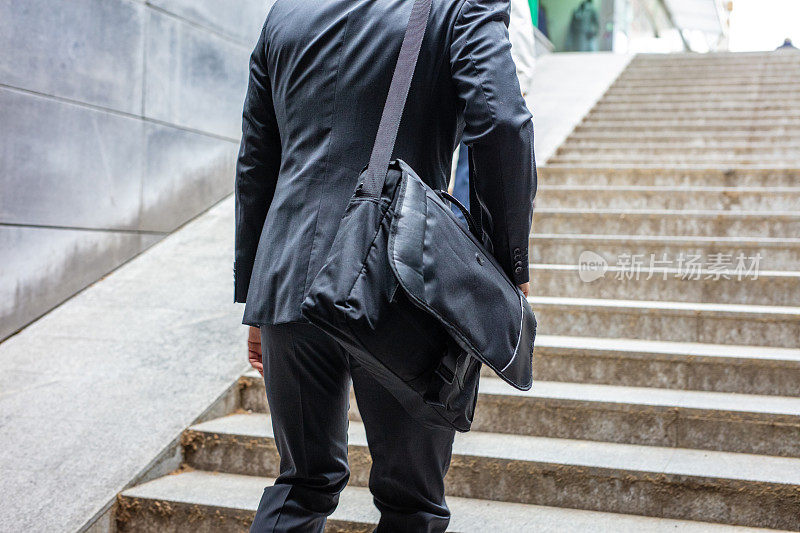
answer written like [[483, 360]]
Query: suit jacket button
[[518, 270]]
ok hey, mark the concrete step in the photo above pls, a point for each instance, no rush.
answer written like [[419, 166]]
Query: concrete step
[[712, 83], [752, 98], [717, 282], [763, 370], [766, 425], [740, 489], [670, 365], [692, 114], [739, 122], [653, 175], [566, 249], [746, 59], [750, 105], [622, 140], [679, 126], [733, 92], [211, 502], [686, 222], [718, 421], [589, 197], [754, 160], [738, 151], [681, 65], [752, 325], [707, 76]]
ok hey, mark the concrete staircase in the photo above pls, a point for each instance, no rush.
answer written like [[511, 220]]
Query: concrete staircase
[[667, 396]]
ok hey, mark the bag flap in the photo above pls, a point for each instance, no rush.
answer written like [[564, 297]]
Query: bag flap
[[446, 271]]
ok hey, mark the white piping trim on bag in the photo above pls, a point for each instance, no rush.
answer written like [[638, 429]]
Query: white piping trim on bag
[[519, 339]]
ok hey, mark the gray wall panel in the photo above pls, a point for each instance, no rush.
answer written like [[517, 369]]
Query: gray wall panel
[[116, 115], [194, 78], [41, 267], [185, 172], [68, 165], [86, 50], [241, 22]]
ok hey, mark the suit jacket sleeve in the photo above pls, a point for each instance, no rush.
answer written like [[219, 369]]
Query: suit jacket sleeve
[[256, 168], [497, 128]]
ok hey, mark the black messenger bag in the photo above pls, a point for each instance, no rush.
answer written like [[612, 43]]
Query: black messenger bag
[[412, 294]]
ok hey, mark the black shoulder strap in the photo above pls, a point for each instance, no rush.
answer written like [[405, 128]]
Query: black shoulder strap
[[396, 100]]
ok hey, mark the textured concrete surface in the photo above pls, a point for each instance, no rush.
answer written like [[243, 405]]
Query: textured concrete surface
[[94, 390], [672, 365], [566, 86], [612, 413], [769, 288], [753, 325], [565, 249], [119, 126], [219, 493], [649, 480]]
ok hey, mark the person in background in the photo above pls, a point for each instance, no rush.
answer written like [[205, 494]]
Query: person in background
[[542, 21], [584, 28], [523, 52], [787, 45]]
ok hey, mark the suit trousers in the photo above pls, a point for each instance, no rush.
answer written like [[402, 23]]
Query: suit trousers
[[307, 376]]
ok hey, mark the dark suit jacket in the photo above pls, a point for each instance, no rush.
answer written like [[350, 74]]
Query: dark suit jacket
[[319, 76]]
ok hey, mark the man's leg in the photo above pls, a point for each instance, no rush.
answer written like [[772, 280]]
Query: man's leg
[[409, 461], [307, 381]]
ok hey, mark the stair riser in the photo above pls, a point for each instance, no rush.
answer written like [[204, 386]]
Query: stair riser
[[657, 115], [755, 61], [765, 290], [677, 93], [156, 516], [633, 492], [557, 250], [681, 101], [713, 106], [706, 78], [713, 374], [674, 160], [660, 325], [598, 143], [669, 177], [738, 120], [730, 200], [687, 128], [636, 151], [751, 82], [623, 423], [730, 225], [639, 424]]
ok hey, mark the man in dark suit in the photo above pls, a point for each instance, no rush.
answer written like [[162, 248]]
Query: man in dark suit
[[319, 76]]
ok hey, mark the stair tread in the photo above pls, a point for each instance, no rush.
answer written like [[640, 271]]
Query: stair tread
[[666, 212], [571, 452], [668, 188], [786, 312], [232, 491], [667, 348], [643, 396], [673, 239], [647, 396], [645, 269]]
